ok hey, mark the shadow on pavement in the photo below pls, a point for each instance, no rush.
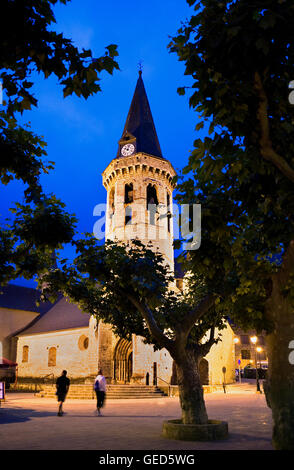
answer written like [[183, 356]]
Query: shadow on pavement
[[20, 415]]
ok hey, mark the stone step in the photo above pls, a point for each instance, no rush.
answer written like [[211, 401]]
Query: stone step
[[109, 387], [78, 391], [109, 397], [109, 394]]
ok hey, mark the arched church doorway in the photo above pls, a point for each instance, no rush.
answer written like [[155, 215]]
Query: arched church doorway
[[123, 361], [130, 366]]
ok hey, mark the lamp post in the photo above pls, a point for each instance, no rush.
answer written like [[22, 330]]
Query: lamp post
[[258, 350], [253, 340], [236, 341]]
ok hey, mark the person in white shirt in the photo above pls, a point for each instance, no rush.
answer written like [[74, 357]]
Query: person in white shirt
[[100, 389]]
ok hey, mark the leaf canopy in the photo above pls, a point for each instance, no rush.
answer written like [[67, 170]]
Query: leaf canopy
[[240, 55]]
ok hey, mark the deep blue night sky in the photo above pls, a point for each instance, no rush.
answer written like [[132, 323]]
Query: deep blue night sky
[[82, 136]]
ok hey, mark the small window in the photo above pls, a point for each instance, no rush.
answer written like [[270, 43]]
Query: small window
[[25, 354], [129, 193], [244, 339], [111, 202], [52, 357], [168, 221], [83, 342], [245, 354]]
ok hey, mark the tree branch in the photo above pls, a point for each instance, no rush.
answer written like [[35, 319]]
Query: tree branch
[[266, 148], [205, 347], [146, 313], [287, 268], [197, 313]]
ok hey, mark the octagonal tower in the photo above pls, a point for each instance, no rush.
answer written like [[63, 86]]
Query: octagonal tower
[[139, 183]]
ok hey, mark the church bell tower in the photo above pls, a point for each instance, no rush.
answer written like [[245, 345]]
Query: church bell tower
[[139, 183]]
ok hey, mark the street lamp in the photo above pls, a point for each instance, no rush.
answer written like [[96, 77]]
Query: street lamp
[[253, 340], [258, 350], [236, 341]]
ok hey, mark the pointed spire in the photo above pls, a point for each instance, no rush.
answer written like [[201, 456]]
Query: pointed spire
[[139, 123]]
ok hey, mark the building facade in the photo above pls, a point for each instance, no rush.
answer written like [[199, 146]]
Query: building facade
[[250, 349]]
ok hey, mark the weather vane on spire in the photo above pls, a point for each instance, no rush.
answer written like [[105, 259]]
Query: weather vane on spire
[[140, 67]]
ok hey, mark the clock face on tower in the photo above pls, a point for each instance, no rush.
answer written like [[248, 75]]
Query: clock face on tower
[[127, 150]]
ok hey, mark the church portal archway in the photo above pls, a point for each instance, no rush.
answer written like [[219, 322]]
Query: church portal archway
[[123, 361]]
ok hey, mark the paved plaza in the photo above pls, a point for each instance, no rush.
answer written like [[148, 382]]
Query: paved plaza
[[31, 423]]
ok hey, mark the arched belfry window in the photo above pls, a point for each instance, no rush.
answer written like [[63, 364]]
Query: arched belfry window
[[52, 357], [25, 354], [151, 195], [152, 202], [128, 216], [129, 193], [168, 211]]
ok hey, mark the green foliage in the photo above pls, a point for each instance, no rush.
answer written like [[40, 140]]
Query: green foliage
[[22, 154], [39, 48], [28, 243], [29, 45], [240, 55], [119, 283]]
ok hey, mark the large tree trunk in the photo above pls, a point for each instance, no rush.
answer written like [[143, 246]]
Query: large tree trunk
[[191, 390], [280, 383]]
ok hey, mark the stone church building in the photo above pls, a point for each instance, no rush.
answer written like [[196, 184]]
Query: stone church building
[[61, 337]]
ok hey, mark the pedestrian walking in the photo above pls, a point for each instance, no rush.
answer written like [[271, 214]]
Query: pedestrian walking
[[100, 389], [62, 386]]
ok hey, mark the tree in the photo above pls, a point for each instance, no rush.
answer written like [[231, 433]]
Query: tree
[[130, 288], [28, 45], [240, 55]]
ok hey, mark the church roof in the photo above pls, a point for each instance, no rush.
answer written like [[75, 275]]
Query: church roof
[[23, 298], [139, 123], [62, 316]]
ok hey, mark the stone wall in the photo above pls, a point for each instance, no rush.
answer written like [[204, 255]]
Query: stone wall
[[71, 353], [93, 333], [105, 350], [222, 355], [12, 321], [144, 358]]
